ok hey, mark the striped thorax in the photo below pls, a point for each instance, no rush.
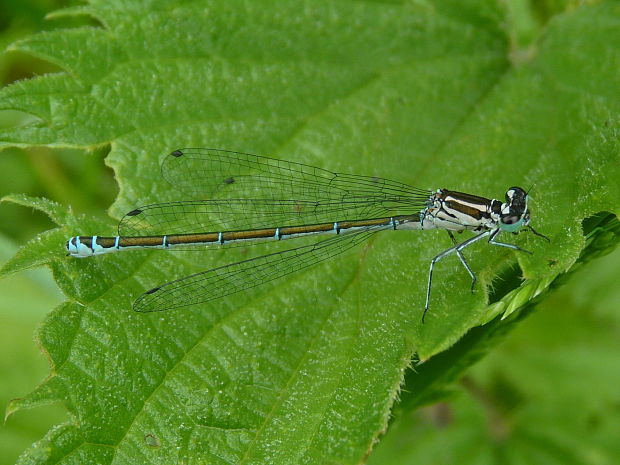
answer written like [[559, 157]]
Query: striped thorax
[[459, 211]]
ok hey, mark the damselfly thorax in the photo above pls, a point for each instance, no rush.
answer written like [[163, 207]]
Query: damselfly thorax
[[273, 200]]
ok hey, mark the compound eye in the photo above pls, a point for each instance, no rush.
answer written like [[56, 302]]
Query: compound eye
[[510, 219]]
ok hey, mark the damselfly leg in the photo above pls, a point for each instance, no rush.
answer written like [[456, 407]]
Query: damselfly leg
[[463, 261], [458, 248], [492, 241]]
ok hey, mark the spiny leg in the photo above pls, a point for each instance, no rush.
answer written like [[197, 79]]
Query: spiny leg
[[536, 233], [456, 249], [463, 261], [492, 240]]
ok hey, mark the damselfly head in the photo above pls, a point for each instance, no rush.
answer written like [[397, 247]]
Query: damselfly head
[[514, 214]]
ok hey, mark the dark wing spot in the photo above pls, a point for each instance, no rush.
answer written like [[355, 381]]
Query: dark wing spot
[[177, 153], [135, 212], [229, 180], [152, 291]]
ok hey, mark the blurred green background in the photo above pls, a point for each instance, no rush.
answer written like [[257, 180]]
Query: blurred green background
[[506, 410], [67, 176]]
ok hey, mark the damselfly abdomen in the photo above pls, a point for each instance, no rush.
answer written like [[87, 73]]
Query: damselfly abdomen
[[252, 199]]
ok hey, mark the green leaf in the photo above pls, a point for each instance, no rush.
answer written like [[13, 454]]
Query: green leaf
[[24, 300], [305, 370], [507, 409], [42, 250]]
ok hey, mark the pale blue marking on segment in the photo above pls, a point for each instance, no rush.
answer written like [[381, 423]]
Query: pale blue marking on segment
[[94, 246]]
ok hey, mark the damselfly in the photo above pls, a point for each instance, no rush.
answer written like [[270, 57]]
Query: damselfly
[[255, 199]]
